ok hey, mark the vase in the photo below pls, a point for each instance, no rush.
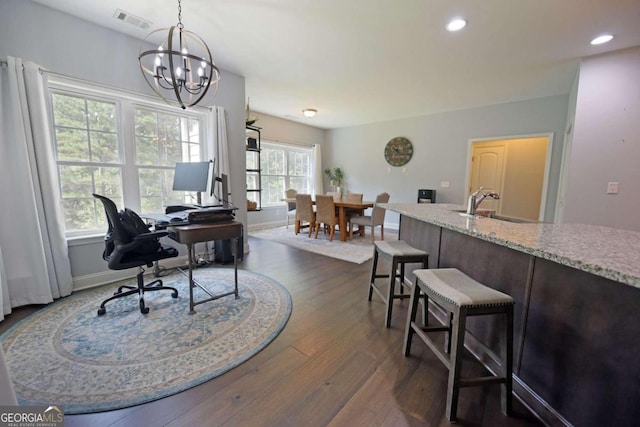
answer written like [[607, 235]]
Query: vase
[[337, 193]]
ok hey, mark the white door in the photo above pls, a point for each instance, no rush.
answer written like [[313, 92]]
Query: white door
[[487, 170]]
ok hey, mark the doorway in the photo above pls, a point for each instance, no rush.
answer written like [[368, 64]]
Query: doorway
[[517, 168]]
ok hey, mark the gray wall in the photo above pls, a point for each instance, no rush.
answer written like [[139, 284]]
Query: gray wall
[[606, 142], [66, 45], [441, 143]]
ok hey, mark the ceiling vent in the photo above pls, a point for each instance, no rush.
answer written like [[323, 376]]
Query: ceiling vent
[[123, 16]]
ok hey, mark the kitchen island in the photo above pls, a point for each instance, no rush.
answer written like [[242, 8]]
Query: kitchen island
[[577, 294]]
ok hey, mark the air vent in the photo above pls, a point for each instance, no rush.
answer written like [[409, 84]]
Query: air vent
[[123, 16]]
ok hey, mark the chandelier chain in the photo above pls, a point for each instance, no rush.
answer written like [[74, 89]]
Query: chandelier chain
[[180, 25]]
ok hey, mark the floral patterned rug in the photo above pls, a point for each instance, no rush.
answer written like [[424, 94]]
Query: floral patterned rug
[[66, 355]]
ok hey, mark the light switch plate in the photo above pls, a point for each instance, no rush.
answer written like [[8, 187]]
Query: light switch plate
[[444, 184]]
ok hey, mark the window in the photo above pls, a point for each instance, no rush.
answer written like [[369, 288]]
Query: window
[[283, 167], [121, 147]]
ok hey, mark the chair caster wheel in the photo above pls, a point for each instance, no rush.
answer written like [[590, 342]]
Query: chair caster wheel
[[143, 309], [174, 294], [101, 311]]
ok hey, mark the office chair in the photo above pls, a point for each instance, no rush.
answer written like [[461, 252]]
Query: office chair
[[129, 243]]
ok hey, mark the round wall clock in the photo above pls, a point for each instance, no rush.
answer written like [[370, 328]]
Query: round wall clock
[[398, 151]]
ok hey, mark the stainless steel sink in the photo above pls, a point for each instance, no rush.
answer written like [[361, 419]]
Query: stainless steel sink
[[492, 215]]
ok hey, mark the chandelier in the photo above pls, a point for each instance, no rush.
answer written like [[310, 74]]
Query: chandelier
[[181, 67]]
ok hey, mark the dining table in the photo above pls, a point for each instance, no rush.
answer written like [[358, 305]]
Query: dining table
[[343, 206]]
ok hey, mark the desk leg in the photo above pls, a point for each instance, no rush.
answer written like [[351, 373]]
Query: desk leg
[[191, 285], [235, 265]]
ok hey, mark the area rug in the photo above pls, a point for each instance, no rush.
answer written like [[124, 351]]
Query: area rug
[[66, 355], [357, 250]]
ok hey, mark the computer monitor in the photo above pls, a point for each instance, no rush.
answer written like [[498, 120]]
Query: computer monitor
[[192, 176]]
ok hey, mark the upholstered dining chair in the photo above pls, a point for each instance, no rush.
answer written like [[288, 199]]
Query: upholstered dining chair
[[326, 214], [353, 197], [376, 218], [337, 195], [304, 212], [129, 243], [291, 206]]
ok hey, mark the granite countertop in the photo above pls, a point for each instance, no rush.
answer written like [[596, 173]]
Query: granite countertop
[[608, 252]]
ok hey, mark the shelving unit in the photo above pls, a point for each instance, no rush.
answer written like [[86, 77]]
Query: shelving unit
[[254, 179]]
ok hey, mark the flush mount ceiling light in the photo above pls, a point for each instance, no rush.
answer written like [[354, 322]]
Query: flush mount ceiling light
[[309, 112], [604, 38], [181, 67], [456, 24]]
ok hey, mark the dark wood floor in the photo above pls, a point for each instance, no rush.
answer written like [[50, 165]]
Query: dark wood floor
[[334, 364]]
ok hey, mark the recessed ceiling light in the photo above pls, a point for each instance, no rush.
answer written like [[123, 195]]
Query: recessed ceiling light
[[309, 112], [456, 24], [604, 38]]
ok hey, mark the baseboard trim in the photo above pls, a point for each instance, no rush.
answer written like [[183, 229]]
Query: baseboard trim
[[89, 281]]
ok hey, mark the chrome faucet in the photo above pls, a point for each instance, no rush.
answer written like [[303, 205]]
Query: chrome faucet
[[475, 200]]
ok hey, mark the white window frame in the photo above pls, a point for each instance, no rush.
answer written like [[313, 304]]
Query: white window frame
[[126, 102], [287, 183]]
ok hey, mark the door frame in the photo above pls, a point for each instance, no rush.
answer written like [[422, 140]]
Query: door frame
[[547, 166]]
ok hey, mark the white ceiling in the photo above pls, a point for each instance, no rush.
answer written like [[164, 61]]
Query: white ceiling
[[364, 61]]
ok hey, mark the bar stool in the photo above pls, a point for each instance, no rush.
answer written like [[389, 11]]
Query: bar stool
[[400, 253], [462, 296]]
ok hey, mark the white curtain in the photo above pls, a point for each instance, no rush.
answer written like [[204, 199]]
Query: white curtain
[[218, 144], [316, 177], [34, 258]]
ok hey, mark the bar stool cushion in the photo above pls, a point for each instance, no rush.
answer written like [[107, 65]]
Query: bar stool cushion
[[457, 288], [397, 248]]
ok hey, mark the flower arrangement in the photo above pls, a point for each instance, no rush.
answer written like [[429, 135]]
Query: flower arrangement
[[335, 175]]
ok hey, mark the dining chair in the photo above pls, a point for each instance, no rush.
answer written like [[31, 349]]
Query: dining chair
[[375, 219], [326, 214], [304, 212], [337, 195], [291, 206], [354, 197]]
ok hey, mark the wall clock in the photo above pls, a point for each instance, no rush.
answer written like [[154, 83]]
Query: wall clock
[[398, 151]]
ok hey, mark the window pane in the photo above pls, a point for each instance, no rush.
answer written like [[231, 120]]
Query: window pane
[[69, 111], [299, 164], [85, 130], [72, 144], [102, 116], [78, 183], [162, 139], [273, 161], [83, 214], [272, 190], [300, 183], [104, 147]]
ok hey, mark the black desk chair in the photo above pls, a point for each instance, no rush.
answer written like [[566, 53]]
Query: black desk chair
[[130, 243]]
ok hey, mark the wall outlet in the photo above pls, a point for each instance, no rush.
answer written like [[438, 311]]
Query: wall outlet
[[444, 184], [612, 187]]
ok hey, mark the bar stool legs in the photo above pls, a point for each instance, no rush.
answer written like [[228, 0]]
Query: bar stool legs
[[399, 253], [462, 297]]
